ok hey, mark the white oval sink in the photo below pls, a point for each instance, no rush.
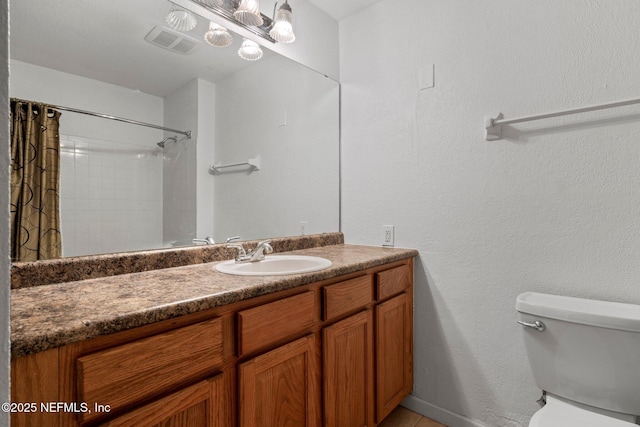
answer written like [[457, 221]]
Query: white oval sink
[[275, 265]]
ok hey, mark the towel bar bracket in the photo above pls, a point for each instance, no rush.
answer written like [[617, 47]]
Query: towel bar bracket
[[492, 131]]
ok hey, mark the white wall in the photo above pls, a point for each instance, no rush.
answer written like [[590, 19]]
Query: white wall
[[110, 172], [5, 294], [298, 179], [552, 208], [205, 149], [179, 201], [188, 191]]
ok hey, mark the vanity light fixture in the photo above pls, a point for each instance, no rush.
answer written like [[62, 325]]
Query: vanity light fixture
[[217, 35], [282, 28], [181, 19], [250, 50], [248, 12]]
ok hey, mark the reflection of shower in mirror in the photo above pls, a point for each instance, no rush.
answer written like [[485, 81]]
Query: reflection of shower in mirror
[[121, 190]]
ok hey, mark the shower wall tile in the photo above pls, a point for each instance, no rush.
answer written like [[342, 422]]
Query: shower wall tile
[[110, 196]]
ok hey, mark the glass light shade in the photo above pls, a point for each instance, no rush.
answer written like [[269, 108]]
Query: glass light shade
[[282, 30], [248, 12], [250, 50], [218, 3], [181, 20], [217, 35]]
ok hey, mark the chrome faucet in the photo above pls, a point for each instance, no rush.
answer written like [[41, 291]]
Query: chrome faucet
[[207, 241], [258, 254], [261, 249]]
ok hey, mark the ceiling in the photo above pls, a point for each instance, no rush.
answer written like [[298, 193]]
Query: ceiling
[[341, 9], [105, 41]]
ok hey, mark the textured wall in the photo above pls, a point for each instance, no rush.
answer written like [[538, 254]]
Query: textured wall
[[554, 207]]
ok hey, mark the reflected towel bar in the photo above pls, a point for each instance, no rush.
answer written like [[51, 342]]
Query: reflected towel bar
[[253, 163], [493, 123]]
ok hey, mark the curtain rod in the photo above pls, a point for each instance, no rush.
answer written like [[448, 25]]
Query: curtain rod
[[493, 124], [110, 117]]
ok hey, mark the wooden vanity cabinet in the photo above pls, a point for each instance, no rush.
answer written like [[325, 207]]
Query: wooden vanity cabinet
[[368, 356], [394, 342], [336, 353], [348, 371], [347, 349], [280, 387]]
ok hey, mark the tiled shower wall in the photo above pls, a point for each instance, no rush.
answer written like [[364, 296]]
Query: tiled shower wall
[[110, 196]]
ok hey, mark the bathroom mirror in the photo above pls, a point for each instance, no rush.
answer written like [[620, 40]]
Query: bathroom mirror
[[125, 187]]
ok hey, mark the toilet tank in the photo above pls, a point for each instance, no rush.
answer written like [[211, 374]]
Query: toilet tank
[[589, 351]]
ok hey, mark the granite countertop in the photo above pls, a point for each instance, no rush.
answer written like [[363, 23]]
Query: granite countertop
[[54, 315]]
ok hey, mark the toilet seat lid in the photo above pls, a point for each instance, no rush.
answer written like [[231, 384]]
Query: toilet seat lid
[[557, 413]]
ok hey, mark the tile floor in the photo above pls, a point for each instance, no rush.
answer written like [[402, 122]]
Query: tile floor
[[402, 417]]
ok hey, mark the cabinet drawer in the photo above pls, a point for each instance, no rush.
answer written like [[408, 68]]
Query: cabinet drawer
[[347, 296], [262, 326], [393, 281], [122, 375]]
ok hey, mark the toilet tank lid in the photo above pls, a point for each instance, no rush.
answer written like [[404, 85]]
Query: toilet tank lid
[[604, 314]]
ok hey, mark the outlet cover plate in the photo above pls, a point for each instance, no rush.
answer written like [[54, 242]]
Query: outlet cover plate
[[387, 235]]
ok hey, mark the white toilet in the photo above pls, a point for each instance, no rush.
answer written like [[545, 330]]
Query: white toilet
[[585, 355]]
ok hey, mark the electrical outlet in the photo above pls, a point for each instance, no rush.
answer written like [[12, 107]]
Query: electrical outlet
[[303, 227], [387, 235]]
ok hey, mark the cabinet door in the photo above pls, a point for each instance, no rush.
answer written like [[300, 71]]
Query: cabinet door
[[348, 372], [203, 404], [280, 388], [394, 371]]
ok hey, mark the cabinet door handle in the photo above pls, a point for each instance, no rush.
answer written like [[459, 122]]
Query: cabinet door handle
[[537, 325]]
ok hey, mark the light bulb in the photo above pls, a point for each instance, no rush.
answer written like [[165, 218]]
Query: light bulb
[[218, 36], [250, 50], [181, 20], [282, 30], [248, 12]]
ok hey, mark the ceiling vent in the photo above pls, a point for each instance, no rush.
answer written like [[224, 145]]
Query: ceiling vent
[[174, 41]]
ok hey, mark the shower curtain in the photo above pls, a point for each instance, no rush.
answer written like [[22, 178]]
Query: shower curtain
[[35, 182]]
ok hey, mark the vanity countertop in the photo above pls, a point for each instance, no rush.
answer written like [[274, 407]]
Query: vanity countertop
[[50, 316]]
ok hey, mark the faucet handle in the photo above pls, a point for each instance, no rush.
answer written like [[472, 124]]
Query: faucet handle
[[207, 241], [238, 246], [265, 244], [261, 248]]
